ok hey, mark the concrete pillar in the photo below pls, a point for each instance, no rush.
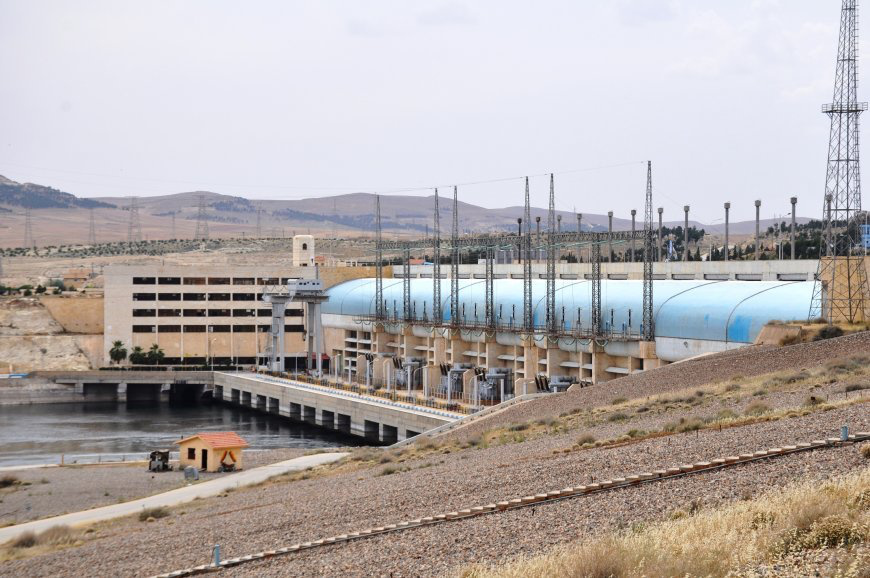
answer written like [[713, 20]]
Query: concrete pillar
[[792, 232], [727, 211], [122, 392], [609, 236], [757, 230], [633, 213], [686, 233], [661, 210]]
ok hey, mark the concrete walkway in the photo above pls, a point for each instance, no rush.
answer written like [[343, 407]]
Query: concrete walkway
[[172, 497]]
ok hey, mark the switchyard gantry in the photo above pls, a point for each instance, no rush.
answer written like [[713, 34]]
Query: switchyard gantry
[[554, 327]]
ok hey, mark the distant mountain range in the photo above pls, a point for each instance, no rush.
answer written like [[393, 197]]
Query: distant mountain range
[[62, 218]]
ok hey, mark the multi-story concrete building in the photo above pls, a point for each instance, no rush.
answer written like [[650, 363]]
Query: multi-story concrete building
[[211, 314]]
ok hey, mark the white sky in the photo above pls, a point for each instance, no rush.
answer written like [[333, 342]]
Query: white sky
[[290, 99]]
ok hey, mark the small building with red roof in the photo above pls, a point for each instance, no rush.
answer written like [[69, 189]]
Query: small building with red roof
[[212, 451]]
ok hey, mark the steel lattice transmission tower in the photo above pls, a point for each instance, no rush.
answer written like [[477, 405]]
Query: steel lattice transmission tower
[[436, 266], [454, 262], [551, 260], [134, 226], [29, 241], [648, 259], [92, 229], [379, 263], [201, 221], [528, 313], [840, 293]]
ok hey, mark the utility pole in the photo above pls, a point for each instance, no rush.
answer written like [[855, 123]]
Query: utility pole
[[134, 226], [29, 241], [520, 241], [579, 230], [686, 233], [437, 313], [260, 222], [727, 211], [528, 318], [174, 233], [92, 229], [660, 240], [201, 221], [757, 230], [648, 312], [551, 261], [610, 236], [380, 314], [454, 263], [633, 213], [793, 227]]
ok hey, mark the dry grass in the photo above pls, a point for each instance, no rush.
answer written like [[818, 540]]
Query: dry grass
[[151, 514], [715, 542], [30, 544]]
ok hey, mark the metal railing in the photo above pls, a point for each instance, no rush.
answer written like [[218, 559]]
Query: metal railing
[[377, 391]]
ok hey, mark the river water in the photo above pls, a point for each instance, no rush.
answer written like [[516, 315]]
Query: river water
[[92, 432]]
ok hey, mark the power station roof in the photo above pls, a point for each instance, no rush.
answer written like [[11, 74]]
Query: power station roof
[[729, 311]]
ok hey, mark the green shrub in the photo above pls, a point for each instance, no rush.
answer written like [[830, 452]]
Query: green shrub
[[618, 400], [828, 332], [614, 417]]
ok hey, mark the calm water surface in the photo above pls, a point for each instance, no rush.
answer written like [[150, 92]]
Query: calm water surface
[[90, 432]]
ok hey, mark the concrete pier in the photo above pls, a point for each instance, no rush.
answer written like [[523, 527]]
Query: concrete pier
[[373, 418]]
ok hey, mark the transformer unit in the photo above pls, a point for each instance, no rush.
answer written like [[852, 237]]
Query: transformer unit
[[452, 377], [560, 383], [406, 370], [498, 385]]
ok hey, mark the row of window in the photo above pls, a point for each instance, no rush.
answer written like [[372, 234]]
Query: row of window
[[212, 280], [288, 328], [212, 313], [195, 297]]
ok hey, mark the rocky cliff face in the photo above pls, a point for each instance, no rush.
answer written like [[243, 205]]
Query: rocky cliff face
[[30, 339]]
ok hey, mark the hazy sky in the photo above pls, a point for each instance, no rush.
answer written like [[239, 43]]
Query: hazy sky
[[289, 99]]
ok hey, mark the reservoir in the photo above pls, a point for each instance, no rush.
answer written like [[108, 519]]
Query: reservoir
[[92, 432]]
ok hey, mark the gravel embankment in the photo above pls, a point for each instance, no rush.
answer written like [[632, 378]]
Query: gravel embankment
[[280, 514], [492, 540], [746, 362]]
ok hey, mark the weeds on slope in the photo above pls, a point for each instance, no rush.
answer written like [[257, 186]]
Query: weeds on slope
[[799, 519], [31, 544]]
